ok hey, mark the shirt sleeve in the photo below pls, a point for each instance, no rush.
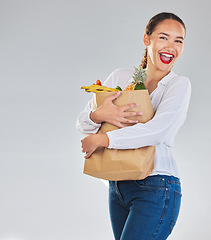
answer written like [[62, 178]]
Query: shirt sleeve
[[84, 123], [170, 115]]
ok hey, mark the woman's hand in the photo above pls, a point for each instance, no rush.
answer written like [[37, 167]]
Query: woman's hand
[[113, 114], [92, 141]]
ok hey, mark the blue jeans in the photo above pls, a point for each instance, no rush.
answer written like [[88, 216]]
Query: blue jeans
[[144, 209]]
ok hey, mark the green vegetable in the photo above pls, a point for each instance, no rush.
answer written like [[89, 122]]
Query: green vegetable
[[119, 88], [140, 86]]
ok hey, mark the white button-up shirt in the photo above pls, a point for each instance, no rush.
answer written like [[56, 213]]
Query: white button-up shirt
[[170, 102]]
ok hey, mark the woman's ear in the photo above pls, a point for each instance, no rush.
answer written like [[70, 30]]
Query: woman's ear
[[146, 40]]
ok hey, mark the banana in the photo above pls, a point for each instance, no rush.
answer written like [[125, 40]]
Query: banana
[[97, 88]]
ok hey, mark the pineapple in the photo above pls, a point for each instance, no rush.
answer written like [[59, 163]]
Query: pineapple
[[139, 77]]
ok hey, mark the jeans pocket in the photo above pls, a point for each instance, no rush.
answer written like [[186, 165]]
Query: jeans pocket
[[177, 203], [154, 185]]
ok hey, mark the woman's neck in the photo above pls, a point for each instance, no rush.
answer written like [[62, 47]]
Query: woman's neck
[[153, 77], [155, 74]]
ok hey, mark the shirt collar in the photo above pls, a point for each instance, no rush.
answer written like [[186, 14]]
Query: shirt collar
[[164, 81]]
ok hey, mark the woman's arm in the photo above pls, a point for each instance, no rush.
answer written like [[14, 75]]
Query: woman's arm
[[92, 141], [167, 120], [169, 117], [89, 120]]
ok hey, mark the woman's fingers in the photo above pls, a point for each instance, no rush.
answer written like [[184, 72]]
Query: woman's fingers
[[123, 121], [88, 145], [132, 114], [129, 121], [113, 97], [116, 115], [128, 106], [88, 155]]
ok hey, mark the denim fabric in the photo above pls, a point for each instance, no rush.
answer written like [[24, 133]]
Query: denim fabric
[[144, 209]]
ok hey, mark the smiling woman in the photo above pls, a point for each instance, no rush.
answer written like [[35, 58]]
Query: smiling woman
[[148, 208], [164, 45]]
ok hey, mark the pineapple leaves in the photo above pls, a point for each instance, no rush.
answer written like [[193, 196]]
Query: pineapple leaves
[[140, 75]]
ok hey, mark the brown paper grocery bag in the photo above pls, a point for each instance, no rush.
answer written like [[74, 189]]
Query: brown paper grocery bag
[[127, 164]]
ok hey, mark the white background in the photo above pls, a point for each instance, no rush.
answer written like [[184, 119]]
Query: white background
[[48, 50]]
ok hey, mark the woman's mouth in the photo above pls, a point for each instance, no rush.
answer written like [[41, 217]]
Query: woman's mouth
[[166, 58]]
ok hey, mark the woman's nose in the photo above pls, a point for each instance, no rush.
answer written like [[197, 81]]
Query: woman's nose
[[171, 45]]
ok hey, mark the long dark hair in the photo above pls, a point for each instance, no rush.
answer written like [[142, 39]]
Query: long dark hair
[[153, 22]]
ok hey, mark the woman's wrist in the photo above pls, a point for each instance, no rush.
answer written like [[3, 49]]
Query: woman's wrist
[[94, 117], [103, 140]]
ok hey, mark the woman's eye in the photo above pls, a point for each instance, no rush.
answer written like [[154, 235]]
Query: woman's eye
[[179, 41], [164, 38]]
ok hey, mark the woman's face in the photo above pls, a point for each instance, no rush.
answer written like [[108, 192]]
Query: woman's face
[[165, 44]]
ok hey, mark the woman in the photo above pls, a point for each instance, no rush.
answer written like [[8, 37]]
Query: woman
[[148, 208]]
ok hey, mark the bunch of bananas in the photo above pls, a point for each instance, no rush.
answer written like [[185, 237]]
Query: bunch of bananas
[[98, 88]]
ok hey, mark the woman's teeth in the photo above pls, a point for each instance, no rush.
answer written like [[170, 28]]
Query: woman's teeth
[[166, 58]]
